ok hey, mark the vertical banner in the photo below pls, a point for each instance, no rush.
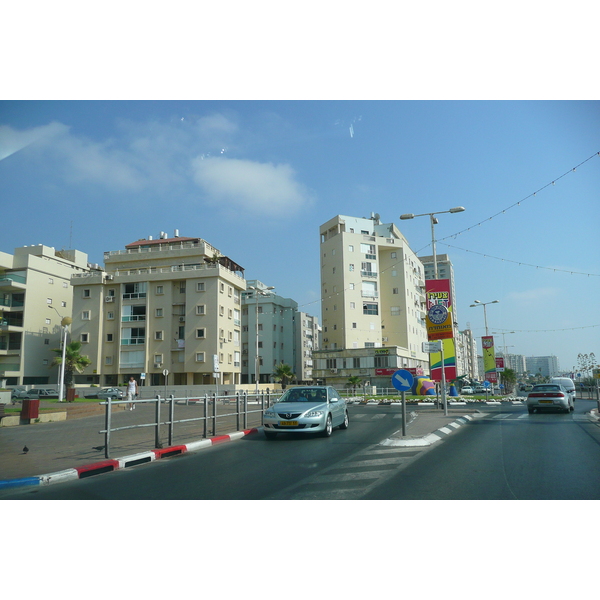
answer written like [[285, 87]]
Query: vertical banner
[[489, 358], [439, 320], [435, 359], [439, 309]]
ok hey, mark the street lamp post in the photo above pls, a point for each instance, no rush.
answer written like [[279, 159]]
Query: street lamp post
[[65, 322], [257, 292], [434, 221], [484, 304]]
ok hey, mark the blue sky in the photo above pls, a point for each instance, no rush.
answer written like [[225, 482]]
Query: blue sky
[[257, 178]]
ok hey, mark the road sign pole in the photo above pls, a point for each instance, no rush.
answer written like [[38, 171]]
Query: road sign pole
[[403, 414], [443, 380]]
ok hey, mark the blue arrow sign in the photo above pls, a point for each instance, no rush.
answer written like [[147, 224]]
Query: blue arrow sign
[[402, 380]]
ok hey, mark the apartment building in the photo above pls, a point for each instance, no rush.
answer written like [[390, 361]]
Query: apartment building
[[466, 354], [171, 304], [545, 366], [35, 295], [274, 330], [372, 291]]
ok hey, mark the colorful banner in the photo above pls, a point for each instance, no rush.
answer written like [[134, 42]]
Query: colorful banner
[[489, 358], [439, 309], [435, 359]]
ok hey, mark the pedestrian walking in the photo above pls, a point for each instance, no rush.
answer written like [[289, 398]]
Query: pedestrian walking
[[132, 392]]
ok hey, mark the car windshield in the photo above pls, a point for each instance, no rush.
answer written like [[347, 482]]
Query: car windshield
[[304, 395], [547, 388]]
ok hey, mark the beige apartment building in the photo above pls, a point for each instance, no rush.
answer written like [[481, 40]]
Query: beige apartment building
[[35, 295], [171, 304], [373, 297]]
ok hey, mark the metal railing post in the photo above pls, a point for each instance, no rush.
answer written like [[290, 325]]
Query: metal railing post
[[262, 409], [157, 443], [237, 411], [107, 423], [246, 410], [205, 416], [214, 427], [171, 419]]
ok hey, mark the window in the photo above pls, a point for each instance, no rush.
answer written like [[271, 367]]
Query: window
[[350, 248], [109, 337], [356, 363], [351, 268], [48, 321], [48, 300], [221, 311], [158, 335], [221, 287], [354, 327], [182, 287], [85, 338], [200, 333], [108, 360], [86, 293], [63, 304], [395, 311], [370, 308], [395, 291], [47, 342], [352, 304], [199, 356], [201, 309], [110, 315], [85, 315], [158, 312], [50, 280], [158, 358], [65, 284], [160, 290], [200, 286]]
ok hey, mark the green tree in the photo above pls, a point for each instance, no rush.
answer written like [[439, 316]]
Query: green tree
[[283, 373], [354, 382], [509, 379], [75, 362]]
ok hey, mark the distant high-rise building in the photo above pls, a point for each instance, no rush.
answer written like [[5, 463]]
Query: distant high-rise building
[[546, 366]]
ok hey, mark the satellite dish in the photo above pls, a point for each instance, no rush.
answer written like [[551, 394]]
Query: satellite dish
[[377, 216]]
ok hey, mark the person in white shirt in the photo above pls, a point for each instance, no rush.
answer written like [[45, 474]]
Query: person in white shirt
[[132, 391]]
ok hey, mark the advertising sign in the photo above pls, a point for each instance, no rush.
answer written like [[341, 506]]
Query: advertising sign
[[438, 309], [489, 357], [435, 359], [500, 364]]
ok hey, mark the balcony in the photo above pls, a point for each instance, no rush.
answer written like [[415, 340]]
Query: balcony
[[133, 341], [368, 274], [129, 318]]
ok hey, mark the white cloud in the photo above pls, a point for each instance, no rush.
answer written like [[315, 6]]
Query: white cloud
[[256, 187], [12, 141]]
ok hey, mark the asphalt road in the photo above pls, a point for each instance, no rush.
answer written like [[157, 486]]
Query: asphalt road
[[508, 454]]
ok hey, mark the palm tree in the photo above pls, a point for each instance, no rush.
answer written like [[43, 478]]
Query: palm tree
[[283, 373], [354, 382], [509, 378], [74, 361]]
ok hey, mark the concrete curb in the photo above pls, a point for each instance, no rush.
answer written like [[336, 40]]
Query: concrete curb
[[430, 438], [109, 465]]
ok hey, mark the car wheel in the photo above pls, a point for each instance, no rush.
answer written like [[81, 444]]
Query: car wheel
[[344, 425], [270, 435], [328, 427]]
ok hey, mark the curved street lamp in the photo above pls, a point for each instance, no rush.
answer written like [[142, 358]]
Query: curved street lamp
[[484, 304], [434, 221]]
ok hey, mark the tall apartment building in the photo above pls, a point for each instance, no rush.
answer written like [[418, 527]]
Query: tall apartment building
[[161, 304], [516, 362], [466, 354], [284, 335], [546, 366], [35, 294], [372, 291]]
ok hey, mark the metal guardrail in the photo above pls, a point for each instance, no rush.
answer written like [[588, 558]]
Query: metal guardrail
[[210, 416]]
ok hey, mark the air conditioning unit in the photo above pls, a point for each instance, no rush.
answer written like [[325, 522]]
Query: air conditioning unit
[[181, 319], [334, 370], [109, 298], [157, 365], [110, 277]]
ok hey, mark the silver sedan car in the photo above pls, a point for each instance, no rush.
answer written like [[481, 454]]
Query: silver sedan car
[[307, 409], [549, 395]]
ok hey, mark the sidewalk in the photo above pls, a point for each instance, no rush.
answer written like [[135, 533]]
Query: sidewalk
[[77, 444]]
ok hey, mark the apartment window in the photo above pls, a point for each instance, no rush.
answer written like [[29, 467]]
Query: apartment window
[[85, 315], [48, 300], [86, 293], [63, 304], [394, 255], [354, 327], [351, 268], [222, 288], [352, 304], [110, 315], [158, 358], [47, 342], [221, 311], [50, 280], [199, 356], [48, 321], [182, 287], [109, 337], [158, 312], [65, 284], [160, 290], [356, 363], [395, 291], [85, 338], [201, 333], [200, 286], [395, 311], [350, 248], [370, 308], [108, 360], [158, 335], [201, 309]]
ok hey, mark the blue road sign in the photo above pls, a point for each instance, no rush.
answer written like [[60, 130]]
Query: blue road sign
[[486, 383], [402, 380]]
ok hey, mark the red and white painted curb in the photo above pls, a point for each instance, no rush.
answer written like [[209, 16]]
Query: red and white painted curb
[[116, 464]]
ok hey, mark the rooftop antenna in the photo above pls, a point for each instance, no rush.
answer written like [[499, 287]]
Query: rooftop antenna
[[71, 237]]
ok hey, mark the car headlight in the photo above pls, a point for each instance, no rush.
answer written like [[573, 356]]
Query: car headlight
[[270, 414], [314, 413]]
